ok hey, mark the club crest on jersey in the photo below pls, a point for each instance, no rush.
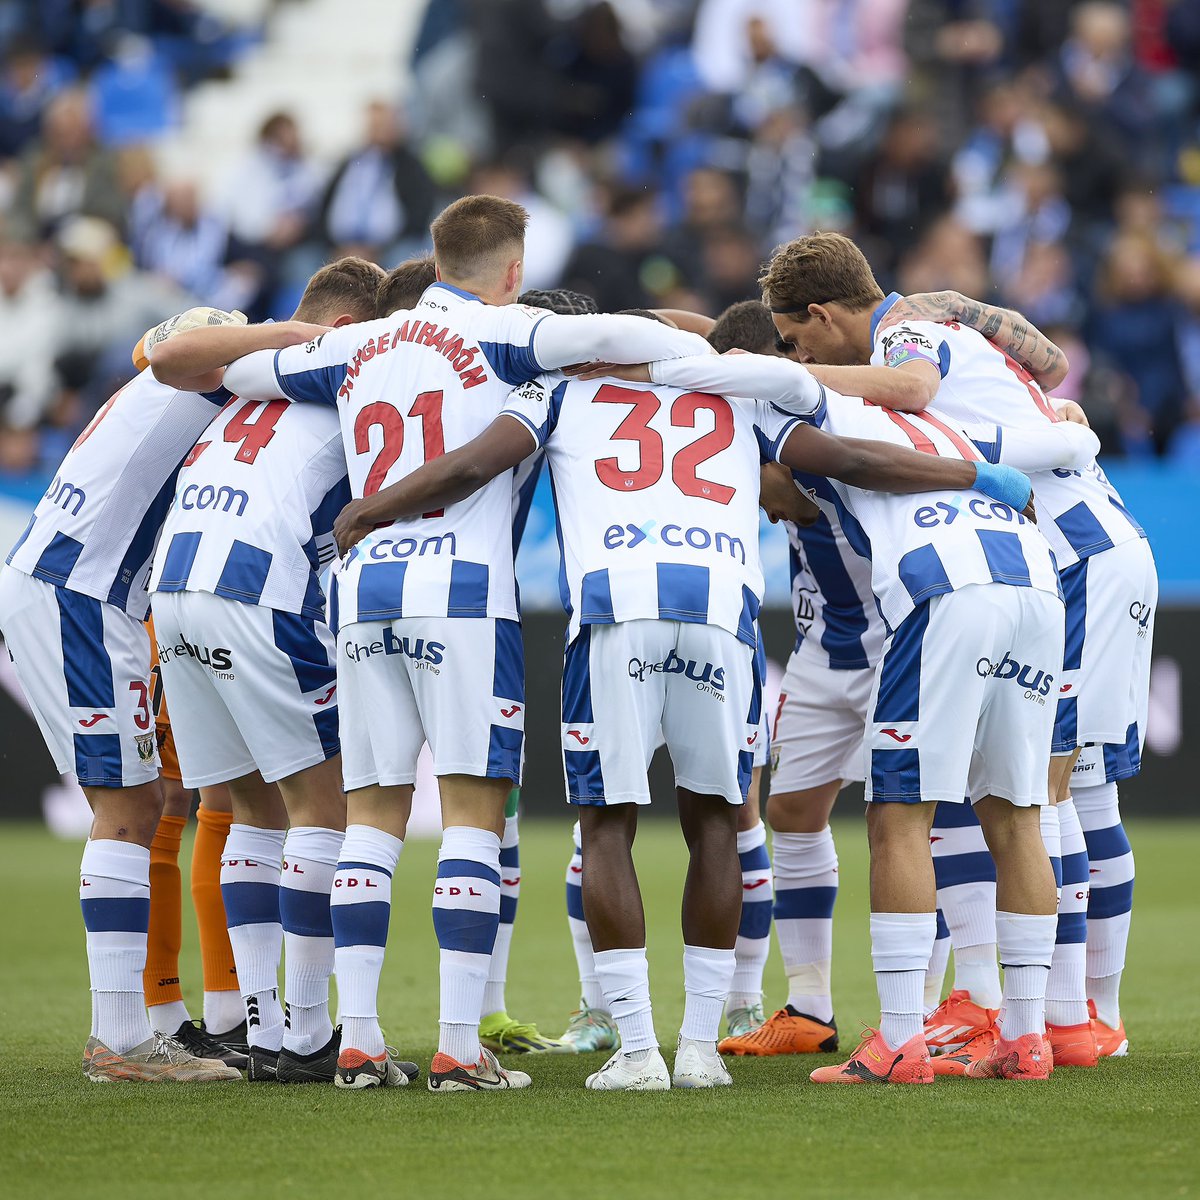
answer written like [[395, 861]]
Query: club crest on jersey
[[145, 747], [1036, 684], [708, 679]]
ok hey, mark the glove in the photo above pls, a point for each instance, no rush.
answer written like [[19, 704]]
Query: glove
[[193, 318]]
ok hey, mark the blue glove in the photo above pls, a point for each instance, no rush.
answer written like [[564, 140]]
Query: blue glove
[[1006, 484]]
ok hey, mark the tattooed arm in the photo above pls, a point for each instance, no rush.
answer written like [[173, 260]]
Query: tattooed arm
[[1008, 330]]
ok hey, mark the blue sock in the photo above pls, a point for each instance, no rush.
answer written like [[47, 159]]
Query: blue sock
[[754, 931]]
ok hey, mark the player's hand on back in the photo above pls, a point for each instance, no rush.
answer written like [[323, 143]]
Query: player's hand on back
[[1030, 510], [349, 528], [923, 306]]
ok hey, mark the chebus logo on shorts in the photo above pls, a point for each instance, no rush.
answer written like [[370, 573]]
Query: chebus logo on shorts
[[1141, 613], [944, 512], [425, 655], [1037, 686], [708, 679], [675, 536], [219, 660]]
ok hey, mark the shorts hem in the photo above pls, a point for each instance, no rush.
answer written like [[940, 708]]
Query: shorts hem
[[350, 785], [704, 790], [215, 777], [607, 801], [473, 769], [914, 797], [1025, 801], [295, 768], [804, 785]]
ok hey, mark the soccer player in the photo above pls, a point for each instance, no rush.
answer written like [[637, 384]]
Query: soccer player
[[1107, 569], [970, 596], [164, 997], [248, 664], [73, 601], [658, 639], [429, 647]]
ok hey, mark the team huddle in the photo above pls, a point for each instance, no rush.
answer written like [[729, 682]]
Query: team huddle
[[322, 515]]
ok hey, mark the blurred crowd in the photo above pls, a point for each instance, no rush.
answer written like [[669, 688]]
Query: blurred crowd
[[1043, 154]]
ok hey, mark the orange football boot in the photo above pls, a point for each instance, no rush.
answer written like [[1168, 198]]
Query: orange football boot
[[1073, 1045], [956, 1062], [956, 1021], [1023, 1058], [784, 1032], [876, 1062], [1110, 1043]]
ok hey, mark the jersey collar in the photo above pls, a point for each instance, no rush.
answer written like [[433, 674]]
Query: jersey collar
[[881, 311], [449, 287]]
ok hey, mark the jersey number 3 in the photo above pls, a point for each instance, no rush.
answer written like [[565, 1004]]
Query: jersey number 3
[[685, 468]]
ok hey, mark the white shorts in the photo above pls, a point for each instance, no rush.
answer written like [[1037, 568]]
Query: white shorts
[[963, 701], [457, 683], [762, 747], [248, 688], [1104, 689], [819, 724], [624, 683], [85, 669]]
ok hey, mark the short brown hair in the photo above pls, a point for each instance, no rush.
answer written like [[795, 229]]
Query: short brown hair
[[347, 285], [470, 233], [746, 325], [404, 285], [822, 268]]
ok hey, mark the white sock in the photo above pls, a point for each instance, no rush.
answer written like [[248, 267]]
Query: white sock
[[466, 915], [167, 1018], [625, 978], [310, 858], [360, 909], [977, 971], [935, 973], [806, 883], [250, 868], [114, 894], [707, 973], [494, 1000], [1110, 899], [590, 991], [223, 1011], [754, 931], [901, 944], [1066, 989], [1026, 943]]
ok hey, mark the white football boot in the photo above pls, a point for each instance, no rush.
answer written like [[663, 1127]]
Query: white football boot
[[621, 1074], [695, 1069]]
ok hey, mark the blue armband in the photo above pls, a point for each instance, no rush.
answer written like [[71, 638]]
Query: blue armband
[[1006, 484]]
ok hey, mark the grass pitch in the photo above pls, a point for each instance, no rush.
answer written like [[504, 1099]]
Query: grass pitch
[[1127, 1129]]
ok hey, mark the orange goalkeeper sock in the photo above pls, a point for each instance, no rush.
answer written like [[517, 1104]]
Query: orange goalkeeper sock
[[161, 976], [216, 954]]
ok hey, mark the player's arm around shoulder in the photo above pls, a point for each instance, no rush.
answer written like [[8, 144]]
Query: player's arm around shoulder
[[906, 380], [194, 358], [515, 434]]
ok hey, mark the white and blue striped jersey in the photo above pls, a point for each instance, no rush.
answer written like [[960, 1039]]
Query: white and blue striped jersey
[[410, 387], [254, 508], [1079, 515], [926, 544], [95, 530], [832, 602], [656, 492]]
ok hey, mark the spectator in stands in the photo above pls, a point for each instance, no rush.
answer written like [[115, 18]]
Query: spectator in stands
[[31, 78], [549, 238], [30, 320], [624, 266], [1135, 325], [189, 245], [948, 256], [597, 77], [381, 199], [902, 189], [105, 306], [271, 195], [65, 173]]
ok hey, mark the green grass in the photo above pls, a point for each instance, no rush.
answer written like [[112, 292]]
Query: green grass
[[1128, 1128]]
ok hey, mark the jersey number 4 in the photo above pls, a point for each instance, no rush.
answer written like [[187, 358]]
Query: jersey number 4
[[685, 467], [427, 408]]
